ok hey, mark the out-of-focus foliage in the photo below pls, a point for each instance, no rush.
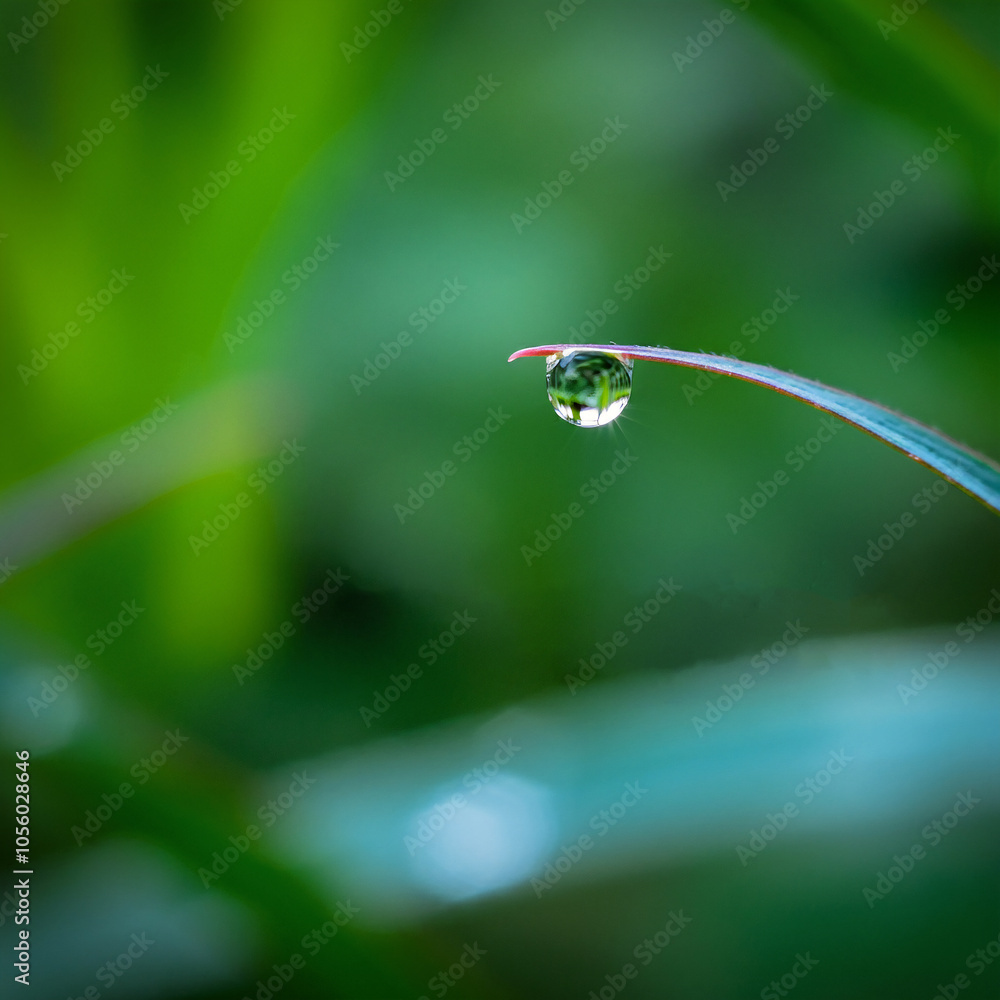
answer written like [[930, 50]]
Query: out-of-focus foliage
[[317, 255]]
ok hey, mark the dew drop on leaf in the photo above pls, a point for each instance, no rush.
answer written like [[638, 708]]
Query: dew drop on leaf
[[588, 388]]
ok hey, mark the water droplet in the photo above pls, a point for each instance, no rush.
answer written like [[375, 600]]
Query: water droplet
[[588, 388]]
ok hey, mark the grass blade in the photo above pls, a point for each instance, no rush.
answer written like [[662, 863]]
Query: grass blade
[[978, 475]]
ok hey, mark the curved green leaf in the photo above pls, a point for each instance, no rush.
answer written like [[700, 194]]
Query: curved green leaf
[[978, 475]]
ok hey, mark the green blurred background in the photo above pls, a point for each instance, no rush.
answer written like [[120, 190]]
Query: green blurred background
[[247, 415]]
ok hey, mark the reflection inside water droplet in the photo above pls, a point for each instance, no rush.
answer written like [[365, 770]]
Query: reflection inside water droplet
[[588, 388]]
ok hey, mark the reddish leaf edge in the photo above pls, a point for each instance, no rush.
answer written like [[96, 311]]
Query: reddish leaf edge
[[972, 472]]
